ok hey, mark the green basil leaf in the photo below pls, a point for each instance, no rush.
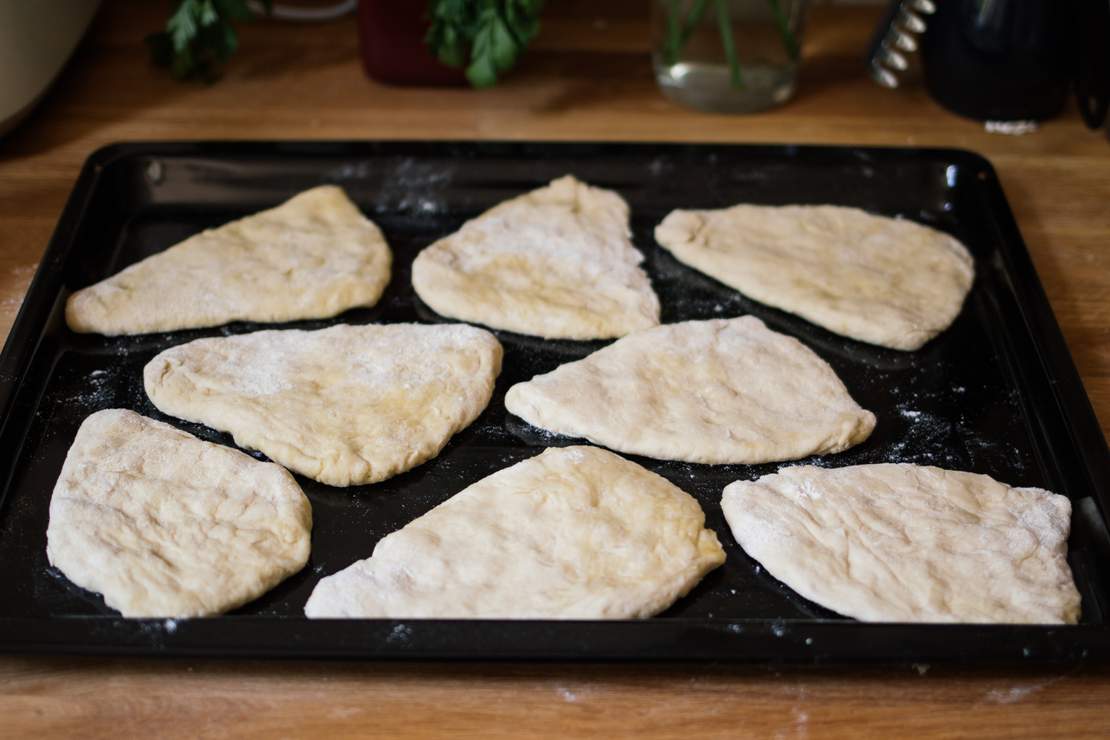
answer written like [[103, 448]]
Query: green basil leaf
[[182, 26], [481, 72]]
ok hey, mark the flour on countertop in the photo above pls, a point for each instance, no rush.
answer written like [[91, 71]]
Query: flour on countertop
[[1010, 128]]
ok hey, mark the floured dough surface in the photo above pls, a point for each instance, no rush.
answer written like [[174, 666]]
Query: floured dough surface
[[909, 543], [344, 405], [573, 533], [313, 256], [557, 262], [886, 281], [166, 525], [719, 391]]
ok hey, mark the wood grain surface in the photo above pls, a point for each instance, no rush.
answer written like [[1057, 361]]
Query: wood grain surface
[[588, 77]]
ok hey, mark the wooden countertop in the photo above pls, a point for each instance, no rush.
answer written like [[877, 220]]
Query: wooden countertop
[[587, 77]]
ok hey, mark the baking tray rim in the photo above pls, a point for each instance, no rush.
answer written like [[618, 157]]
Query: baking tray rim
[[670, 639]]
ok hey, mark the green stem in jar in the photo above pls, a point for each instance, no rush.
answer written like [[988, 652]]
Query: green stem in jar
[[674, 34], [724, 22], [693, 18], [788, 39]]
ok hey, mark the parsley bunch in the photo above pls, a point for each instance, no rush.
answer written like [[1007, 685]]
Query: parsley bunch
[[485, 36], [200, 37]]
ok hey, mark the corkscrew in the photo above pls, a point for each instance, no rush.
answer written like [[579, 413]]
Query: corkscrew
[[896, 38]]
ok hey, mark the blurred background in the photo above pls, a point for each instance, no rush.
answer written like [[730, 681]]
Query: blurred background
[[998, 60]]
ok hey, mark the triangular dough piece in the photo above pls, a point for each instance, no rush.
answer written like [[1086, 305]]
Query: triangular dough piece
[[557, 262], [909, 543], [886, 281], [312, 257], [720, 391], [573, 533], [166, 525], [344, 405]]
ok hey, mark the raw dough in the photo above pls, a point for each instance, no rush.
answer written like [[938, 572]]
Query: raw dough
[[721, 391], [344, 405], [909, 543], [556, 262], [886, 281], [573, 533], [314, 256], [166, 525]]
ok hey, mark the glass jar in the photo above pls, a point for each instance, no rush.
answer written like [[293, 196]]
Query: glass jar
[[728, 56]]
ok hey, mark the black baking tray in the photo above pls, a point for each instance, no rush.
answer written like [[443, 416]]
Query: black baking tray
[[997, 393]]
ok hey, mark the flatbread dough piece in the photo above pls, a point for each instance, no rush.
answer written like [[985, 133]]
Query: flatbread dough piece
[[344, 405], [573, 533], [720, 391], [557, 262], [910, 543], [166, 525], [312, 257], [886, 281]]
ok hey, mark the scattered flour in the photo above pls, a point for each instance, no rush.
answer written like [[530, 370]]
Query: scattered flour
[[567, 695], [399, 633], [1016, 694], [414, 187]]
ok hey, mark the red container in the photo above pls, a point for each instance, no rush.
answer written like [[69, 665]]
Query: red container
[[391, 34]]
